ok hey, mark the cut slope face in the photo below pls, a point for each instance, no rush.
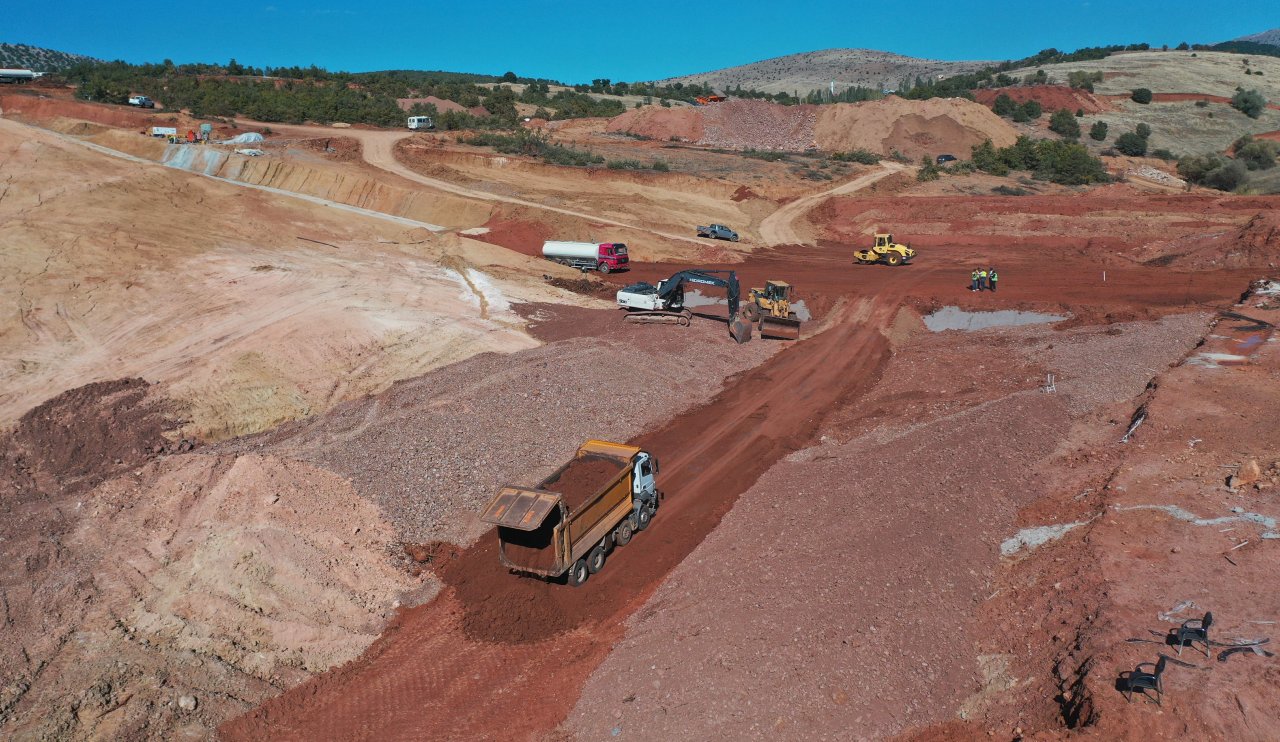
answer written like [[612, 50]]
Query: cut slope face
[[809, 70], [908, 126], [252, 307]]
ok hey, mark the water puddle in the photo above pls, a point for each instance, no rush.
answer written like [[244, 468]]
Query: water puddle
[[955, 318]]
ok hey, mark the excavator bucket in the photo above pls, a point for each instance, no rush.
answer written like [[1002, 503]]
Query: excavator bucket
[[787, 328], [740, 329]]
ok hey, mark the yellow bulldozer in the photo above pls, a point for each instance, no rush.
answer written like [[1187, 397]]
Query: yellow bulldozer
[[885, 251], [771, 308]]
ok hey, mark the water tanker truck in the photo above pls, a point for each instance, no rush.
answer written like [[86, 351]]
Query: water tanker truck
[[605, 257], [566, 525]]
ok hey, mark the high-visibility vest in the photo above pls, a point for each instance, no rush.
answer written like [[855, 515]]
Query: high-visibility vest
[[994, 276], [982, 274], [975, 275]]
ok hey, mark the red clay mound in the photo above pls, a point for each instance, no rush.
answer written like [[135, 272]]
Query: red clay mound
[[1050, 97], [84, 436], [1254, 245], [663, 124]]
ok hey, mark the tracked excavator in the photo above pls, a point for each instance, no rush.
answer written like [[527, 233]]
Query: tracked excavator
[[664, 303]]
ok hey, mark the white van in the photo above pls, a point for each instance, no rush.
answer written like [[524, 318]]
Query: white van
[[421, 122]]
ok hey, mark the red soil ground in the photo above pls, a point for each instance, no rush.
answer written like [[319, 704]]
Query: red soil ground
[[1051, 97], [450, 669]]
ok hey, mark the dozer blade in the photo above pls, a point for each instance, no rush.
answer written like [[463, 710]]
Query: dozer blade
[[740, 329], [778, 327]]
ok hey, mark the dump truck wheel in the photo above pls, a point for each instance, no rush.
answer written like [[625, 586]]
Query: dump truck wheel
[[643, 517], [579, 573], [595, 560], [604, 268], [623, 533]]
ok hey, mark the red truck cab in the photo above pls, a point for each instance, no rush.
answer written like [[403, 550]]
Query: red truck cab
[[613, 257]]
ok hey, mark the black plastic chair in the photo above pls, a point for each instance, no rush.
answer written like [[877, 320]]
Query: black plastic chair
[[1142, 681], [1192, 631]]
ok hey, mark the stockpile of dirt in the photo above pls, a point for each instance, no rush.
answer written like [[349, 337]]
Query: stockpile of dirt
[[912, 127], [736, 124], [1256, 244], [754, 124], [84, 436], [583, 478], [39, 109], [662, 124], [1050, 97]]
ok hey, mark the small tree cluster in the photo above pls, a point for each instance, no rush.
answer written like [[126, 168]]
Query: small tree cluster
[[1134, 143], [1064, 124], [1141, 95], [1067, 163], [1083, 80], [1256, 154], [1213, 171], [1249, 102], [1098, 132]]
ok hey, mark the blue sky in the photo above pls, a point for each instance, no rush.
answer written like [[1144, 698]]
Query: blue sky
[[576, 40]]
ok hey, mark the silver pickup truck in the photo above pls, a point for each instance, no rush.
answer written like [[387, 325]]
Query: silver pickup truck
[[718, 232]]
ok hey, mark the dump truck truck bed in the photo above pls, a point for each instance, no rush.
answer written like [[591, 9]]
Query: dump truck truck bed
[[545, 529]]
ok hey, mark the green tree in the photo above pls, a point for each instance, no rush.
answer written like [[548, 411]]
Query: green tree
[[1249, 102], [1032, 109], [1143, 131], [509, 77], [1141, 95], [1256, 154], [1004, 105], [1213, 171], [928, 170], [1182, 47], [1098, 132], [1131, 144], [986, 159], [1064, 124]]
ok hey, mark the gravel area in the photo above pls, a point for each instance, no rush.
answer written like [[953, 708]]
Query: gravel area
[[431, 451]]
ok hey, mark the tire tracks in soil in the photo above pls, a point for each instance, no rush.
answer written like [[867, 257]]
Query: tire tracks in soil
[[454, 668]]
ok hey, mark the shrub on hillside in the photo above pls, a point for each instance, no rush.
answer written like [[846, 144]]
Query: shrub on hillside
[[1140, 95], [1143, 131], [1067, 163], [1249, 102], [1213, 170], [1256, 154], [1032, 109], [1098, 132], [1131, 144], [1064, 124], [532, 144], [928, 170], [1083, 80], [1004, 105], [1164, 154], [987, 159], [860, 156]]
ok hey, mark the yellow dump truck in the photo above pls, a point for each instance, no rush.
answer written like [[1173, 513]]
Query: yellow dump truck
[[566, 525]]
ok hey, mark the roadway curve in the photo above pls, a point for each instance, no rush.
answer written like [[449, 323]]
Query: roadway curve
[[378, 147], [779, 228]]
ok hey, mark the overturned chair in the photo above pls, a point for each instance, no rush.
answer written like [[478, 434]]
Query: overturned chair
[[1142, 681], [1191, 631]]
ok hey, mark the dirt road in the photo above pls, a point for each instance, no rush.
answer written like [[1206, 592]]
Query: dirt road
[[379, 151], [779, 228], [491, 637]]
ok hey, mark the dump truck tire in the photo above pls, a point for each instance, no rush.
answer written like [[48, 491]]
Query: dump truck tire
[[604, 268], [643, 517], [623, 533], [595, 560], [579, 573]]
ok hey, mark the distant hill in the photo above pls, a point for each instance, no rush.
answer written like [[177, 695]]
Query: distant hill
[[1271, 38], [847, 67], [23, 56]]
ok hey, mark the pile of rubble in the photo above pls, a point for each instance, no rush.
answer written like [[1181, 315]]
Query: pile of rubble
[[1146, 172], [751, 124]]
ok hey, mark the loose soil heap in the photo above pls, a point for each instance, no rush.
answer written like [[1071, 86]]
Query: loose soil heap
[[583, 478]]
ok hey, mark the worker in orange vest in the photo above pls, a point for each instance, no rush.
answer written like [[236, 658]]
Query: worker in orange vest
[[191, 137]]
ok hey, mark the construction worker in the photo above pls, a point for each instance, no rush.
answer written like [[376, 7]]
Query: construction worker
[[982, 278], [974, 277], [992, 277]]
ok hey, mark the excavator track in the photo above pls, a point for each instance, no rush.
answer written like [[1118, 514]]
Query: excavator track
[[660, 317]]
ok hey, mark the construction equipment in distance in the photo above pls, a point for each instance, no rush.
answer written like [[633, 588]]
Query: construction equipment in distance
[[703, 100], [771, 307], [885, 251], [665, 302]]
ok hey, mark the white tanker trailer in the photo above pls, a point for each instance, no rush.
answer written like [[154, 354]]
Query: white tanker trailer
[[605, 257]]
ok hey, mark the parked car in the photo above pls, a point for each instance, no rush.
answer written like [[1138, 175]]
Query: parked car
[[944, 159], [141, 101], [718, 232]]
